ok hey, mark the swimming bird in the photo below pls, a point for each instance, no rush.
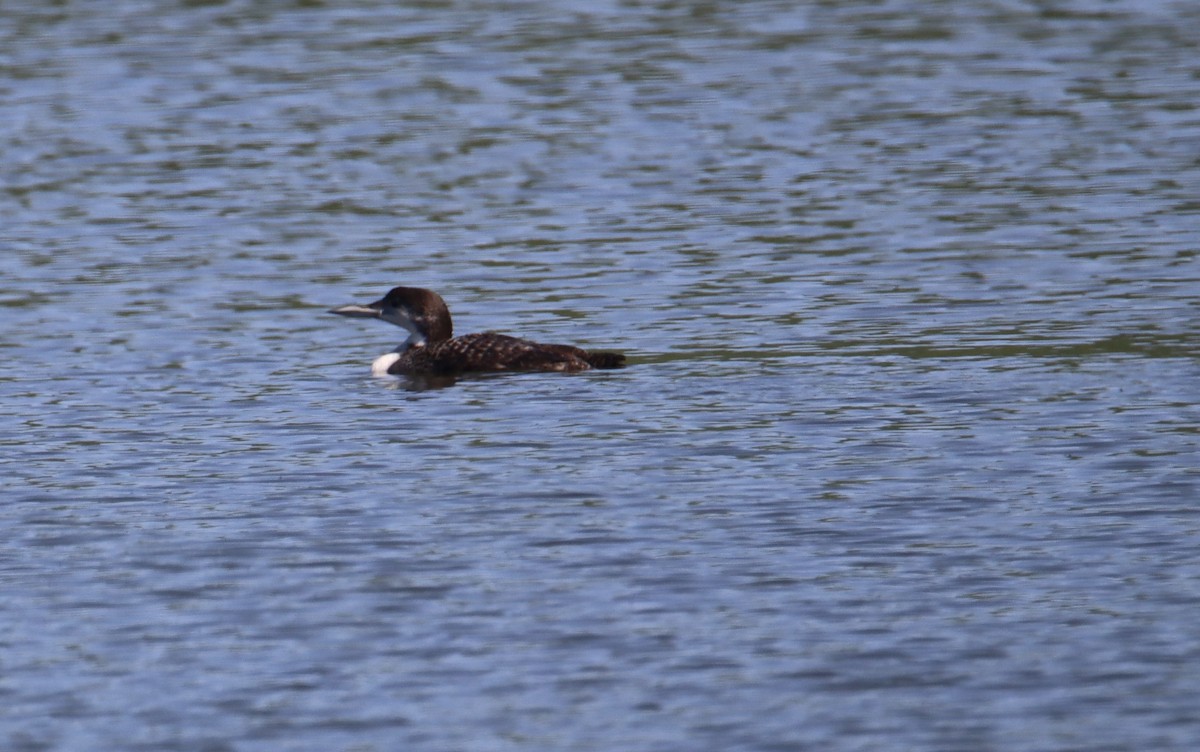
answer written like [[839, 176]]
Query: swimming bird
[[432, 349]]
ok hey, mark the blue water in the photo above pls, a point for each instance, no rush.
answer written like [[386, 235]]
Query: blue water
[[905, 457]]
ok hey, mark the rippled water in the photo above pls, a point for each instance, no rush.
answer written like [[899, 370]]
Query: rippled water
[[906, 456]]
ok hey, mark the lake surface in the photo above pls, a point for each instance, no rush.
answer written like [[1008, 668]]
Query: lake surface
[[906, 456]]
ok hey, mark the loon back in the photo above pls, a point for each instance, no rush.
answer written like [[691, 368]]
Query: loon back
[[432, 350], [489, 351]]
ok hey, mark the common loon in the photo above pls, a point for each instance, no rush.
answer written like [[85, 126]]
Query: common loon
[[432, 350]]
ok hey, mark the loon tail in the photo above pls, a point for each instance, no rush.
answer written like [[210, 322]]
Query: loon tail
[[605, 359]]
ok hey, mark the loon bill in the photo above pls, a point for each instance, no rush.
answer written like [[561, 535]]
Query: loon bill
[[432, 350]]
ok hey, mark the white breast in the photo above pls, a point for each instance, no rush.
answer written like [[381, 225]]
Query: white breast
[[383, 363]]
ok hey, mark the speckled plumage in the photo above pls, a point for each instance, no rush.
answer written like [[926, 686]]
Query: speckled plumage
[[489, 351], [432, 350]]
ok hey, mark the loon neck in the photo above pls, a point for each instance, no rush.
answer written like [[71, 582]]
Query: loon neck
[[416, 339], [430, 327], [428, 318]]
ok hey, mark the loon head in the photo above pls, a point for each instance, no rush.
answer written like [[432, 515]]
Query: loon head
[[422, 312]]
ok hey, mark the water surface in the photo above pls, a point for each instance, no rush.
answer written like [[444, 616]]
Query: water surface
[[905, 457]]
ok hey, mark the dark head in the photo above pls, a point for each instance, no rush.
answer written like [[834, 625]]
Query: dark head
[[420, 311]]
